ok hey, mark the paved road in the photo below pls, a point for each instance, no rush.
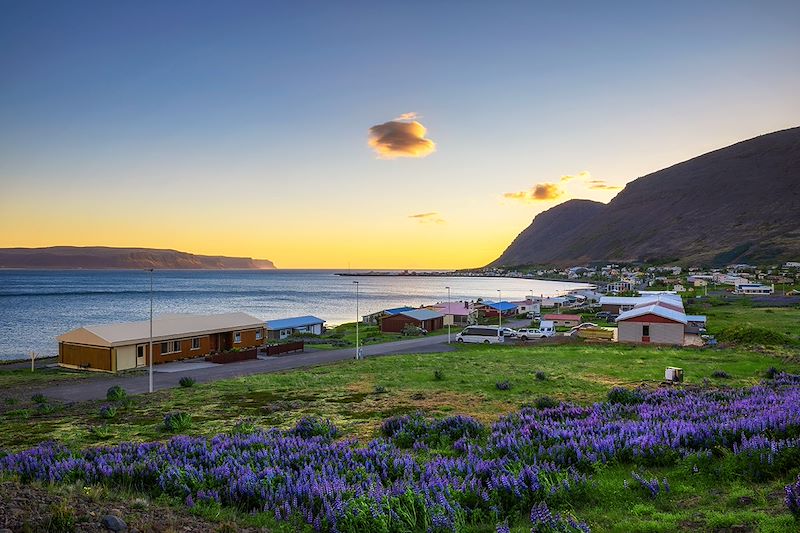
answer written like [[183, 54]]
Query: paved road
[[95, 389]]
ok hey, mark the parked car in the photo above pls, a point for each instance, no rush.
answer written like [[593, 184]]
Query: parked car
[[508, 332], [534, 316], [480, 334], [603, 315], [531, 333]]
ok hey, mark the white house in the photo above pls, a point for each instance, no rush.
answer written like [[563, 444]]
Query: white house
[[753, 288], [656, 322], [284, 327]]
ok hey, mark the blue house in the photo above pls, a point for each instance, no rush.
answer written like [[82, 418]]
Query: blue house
[[284, 327]]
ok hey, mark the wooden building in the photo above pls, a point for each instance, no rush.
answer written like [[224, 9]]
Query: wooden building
[[421, 318], [125, 345]]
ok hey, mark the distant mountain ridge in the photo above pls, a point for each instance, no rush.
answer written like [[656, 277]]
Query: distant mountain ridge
[[736, 204], [102, 257]]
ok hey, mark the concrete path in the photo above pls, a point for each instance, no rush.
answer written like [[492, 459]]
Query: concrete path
[[201, 372]]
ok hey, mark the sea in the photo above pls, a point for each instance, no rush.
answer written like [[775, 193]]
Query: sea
[[38, 305]]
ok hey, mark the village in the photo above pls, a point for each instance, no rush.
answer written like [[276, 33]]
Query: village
[[632, 305]]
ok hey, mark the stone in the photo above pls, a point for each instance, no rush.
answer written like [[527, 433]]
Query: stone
[[113, 523]]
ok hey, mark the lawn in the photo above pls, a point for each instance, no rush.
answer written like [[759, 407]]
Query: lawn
[[720, 315], [358, 395], [344, 336]]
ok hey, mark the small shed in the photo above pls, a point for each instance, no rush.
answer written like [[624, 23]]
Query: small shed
[[652, 323], [421, 318]]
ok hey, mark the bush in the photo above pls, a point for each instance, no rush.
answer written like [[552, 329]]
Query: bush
[[545, 402], [624, 396], [62, 518], [39, 398], [771, 372], [309, 427], [186, 382], [721, 374], [116, 394], [438, 375], [541, 376], [753, 335], [177, 421], [380, 389], [407, 431], [100, 432], [503, 385], [108, 411]]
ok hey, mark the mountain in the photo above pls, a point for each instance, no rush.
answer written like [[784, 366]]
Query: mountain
[[102, 257], [736, 204]]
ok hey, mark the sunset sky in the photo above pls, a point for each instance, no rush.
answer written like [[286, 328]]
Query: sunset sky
[[364, 134]]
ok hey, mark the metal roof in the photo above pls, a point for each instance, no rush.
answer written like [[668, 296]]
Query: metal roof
[[294, 322], [696, 318], [673, 299], [397, 310], [172, 326], [500, 306], [654, 308], [422, 314]]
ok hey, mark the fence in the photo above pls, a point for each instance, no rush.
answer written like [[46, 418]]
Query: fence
[[280, 349]]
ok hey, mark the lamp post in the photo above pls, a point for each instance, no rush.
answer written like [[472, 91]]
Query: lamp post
[[499, 310], [450, 312], [356, 284], [150, 355]]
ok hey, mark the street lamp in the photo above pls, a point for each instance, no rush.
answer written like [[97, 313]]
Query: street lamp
[[356, 284], [450, 312], [499, 310], [150, 355]]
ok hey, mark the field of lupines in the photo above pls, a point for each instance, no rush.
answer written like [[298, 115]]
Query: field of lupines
[[449, 474]]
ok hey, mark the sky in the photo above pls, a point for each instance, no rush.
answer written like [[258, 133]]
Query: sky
[[418, 135]]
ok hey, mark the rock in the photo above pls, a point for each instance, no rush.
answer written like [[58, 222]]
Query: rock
[[113, 523]]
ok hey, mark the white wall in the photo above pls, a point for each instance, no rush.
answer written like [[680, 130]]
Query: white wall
[[660, 333], [126, 357]]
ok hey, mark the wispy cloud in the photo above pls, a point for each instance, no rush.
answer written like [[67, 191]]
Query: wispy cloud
[[409, 116], [428, 218], [582, 175], [602, 185], [539, 192], [401, 137]]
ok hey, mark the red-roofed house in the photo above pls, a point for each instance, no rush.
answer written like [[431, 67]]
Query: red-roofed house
[[652, 322]]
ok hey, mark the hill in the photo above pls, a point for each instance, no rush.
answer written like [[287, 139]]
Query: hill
[[102, 257], [736, 204]]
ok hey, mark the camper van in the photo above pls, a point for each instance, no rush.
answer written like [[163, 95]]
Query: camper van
[[480, 334]]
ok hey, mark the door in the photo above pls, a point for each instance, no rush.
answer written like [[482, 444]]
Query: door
[[646, 333], [141, 349]]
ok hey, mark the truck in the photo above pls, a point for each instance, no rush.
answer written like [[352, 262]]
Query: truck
[[546, 329]]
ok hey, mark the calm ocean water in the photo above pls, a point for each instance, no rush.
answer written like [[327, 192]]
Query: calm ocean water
[[37, 305]]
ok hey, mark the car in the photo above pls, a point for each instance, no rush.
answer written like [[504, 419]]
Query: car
[[533, 315], [603, 315], [531, 333], [508, 332]]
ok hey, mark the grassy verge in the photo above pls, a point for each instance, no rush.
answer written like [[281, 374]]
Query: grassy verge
[[344, 336], [727, 314]]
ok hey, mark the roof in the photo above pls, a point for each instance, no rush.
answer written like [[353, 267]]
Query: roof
[[654, 308], [561, 317], [422, 314], [171, 326], [696, 318], [454, 308], [294, 322], [500, 306], [397, 310], [672, 299]]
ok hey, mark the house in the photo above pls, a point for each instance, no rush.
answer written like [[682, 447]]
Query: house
[[456, 313], [491, 309], [375, 318], [563, 320], [125, 345], [285, 327], [421, 318], [528, 305], [654, 322], [753, 288]]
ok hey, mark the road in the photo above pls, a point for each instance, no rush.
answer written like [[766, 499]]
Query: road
[[168, 375]]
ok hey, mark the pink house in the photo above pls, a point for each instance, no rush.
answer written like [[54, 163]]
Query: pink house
[[461, 313]]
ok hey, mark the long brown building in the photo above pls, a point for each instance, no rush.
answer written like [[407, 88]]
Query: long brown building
[[125, 345]]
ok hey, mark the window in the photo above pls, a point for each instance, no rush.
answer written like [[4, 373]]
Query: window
[[170, 347], [140, 351], [164, 348], [237, 337], [176, 346], [645, 331], [259, 334], [196, 343]]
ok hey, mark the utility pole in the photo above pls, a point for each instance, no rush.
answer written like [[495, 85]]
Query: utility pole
[[357, 319], [499, 311], [450, 312], [151, 331]]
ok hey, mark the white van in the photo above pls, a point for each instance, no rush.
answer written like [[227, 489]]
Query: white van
[[480, 334]]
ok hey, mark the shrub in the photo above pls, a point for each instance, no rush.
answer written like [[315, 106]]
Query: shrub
[[308, 427], [503, 385], [721, 374], [62, 518], [407, 431], [45, 408], [541, 376], [39, 398], [771, 372], [438, 375], [545, 402], [380, 389], [624, 396], [108, 411], [116, 394], [186, 382], [100, 432], [177, 421]]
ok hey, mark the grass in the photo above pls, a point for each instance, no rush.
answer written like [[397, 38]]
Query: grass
[[42, 376], [344, 336], [784, 320], [357, 395]]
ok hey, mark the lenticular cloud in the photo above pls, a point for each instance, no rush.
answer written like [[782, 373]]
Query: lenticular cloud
[[398, 138]]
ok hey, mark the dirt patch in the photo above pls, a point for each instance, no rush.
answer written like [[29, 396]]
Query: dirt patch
[[75, 508]]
